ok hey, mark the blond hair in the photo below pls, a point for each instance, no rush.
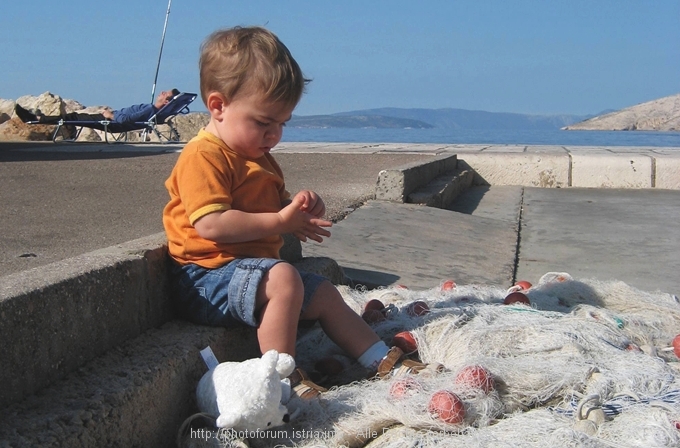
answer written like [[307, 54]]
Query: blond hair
[[247, 60]]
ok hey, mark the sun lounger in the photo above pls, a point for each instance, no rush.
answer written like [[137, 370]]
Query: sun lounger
[[179, 104]]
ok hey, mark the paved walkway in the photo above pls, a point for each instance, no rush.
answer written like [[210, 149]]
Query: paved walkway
[[84, 197], [57, 205]]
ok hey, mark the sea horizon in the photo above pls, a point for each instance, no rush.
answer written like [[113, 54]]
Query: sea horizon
[[557, 137]]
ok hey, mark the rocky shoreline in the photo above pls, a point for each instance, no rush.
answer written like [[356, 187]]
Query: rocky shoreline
[[13, 129]]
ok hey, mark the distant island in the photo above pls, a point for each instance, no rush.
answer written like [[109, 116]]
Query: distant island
[[357, 120], [662, 114], [398, 118]]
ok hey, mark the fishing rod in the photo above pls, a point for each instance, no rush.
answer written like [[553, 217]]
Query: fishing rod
[[160, 53]]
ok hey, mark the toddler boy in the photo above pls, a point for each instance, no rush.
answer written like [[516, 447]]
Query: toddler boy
[[229, 206]]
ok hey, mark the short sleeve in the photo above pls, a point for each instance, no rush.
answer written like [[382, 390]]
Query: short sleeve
[[203, 185]]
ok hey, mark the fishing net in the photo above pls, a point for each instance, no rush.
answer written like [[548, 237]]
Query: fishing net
[[587, 364]]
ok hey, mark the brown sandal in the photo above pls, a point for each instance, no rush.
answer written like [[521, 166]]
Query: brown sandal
[[396, 364], [303, 387]]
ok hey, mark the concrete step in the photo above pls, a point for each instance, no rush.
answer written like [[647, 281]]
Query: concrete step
[[435, 183], [55, 318], [92, 357], [395, 185], [442, 190], [136, 395]]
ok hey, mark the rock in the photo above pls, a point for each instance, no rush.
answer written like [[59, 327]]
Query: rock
[[75, 106], [17, 130], [48, 103], [662, 114], [6, 110], [89, 109], [188, 125], [89, 135]]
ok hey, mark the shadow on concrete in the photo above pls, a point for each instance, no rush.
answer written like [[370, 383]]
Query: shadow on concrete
[[468, 202], [368, 278], [41, 151]]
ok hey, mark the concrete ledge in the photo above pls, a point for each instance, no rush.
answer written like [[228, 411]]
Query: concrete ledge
[[136, 395], [543, 170], [396, 184], [56, 317], [443, 190], [589, 167], [606, 170], [667, 171]]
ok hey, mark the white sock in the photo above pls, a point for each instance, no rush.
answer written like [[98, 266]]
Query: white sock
[[371, 358]]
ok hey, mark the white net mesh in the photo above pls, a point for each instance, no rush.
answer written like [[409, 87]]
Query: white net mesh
[[586, 365]]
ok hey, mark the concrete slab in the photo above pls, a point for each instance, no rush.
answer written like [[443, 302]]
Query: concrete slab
[[664, 150], [360, 148], [546, 170], [492, 202], [593, 170], [464, 147], [546, 149], [385, 243], [628, 235], [505, 148], [667, 173], [592, 149]]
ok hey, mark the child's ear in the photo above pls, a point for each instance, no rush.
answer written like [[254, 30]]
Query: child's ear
[[216, 103]]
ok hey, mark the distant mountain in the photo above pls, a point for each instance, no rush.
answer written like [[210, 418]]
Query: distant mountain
[[662, 114], [390, 117], [355, 121]]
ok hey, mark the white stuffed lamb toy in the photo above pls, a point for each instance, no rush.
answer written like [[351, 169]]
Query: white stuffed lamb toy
[[247, 395]]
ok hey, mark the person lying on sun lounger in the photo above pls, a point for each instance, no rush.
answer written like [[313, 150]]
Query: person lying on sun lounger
[[132, 114]]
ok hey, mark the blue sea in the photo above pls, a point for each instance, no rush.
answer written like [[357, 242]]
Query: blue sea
[[492, 137]]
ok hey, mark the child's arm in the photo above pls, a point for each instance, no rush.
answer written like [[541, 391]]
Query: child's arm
[[235, 226]]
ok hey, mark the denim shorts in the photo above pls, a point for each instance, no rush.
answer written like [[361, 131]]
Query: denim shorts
[[225, 296]]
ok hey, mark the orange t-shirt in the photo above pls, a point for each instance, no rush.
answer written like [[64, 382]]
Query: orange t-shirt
[[209, 177]]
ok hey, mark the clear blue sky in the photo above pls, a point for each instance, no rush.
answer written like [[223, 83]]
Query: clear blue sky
[[525, 56]]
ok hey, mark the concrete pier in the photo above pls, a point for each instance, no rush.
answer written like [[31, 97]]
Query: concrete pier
[[90, 342]]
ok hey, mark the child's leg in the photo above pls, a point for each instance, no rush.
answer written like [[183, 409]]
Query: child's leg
[[278, 302], [344, 326], [349, 331]]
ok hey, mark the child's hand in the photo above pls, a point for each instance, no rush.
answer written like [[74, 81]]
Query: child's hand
[[301, 223], [312, 203]]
